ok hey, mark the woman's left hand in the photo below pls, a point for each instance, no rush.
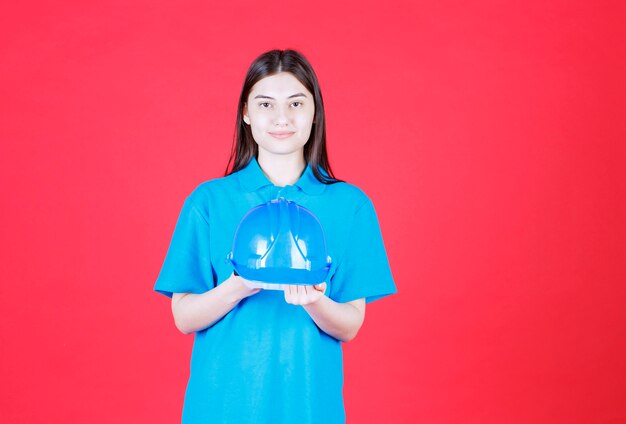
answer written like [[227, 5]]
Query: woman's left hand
[[304, 295]]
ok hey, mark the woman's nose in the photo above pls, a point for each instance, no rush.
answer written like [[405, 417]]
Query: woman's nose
[[281, 117]]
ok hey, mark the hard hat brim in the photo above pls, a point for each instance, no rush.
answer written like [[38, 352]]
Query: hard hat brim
[[283, 275]]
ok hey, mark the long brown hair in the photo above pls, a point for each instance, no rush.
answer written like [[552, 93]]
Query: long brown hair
[[244, 147]]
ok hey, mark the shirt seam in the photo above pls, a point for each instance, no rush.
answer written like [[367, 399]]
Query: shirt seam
[[196, 209], [356, 212]]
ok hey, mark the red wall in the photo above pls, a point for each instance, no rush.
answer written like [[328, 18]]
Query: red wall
[[490, 135]]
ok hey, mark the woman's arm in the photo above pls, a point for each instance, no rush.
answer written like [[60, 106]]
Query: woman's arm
[[195, 312], [340, 320]]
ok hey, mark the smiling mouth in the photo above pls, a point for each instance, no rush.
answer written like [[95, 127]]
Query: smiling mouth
[[281, 134]]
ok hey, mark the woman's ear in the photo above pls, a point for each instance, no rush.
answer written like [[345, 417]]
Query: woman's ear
[[246, 118]]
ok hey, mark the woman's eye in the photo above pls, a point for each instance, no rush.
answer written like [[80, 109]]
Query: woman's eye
[[297, 104], [264, 105]]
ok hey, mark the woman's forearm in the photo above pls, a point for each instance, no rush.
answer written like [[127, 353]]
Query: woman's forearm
[[340, 320], [195, 312]]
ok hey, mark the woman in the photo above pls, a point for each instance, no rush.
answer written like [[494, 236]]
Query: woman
[[267, 356]]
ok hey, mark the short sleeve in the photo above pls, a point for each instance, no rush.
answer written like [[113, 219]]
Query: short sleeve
[[364, 270], [187, 266]]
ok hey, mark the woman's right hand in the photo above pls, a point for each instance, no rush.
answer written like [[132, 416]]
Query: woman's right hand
[[239, 289], [195, 312]]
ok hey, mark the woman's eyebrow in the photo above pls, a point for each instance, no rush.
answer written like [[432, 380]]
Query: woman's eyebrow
[[262, 96]]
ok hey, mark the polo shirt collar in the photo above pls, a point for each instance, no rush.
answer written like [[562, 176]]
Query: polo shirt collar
[[252, 178]]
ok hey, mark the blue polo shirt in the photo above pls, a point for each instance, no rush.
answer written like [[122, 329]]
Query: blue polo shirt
[[266, 361]]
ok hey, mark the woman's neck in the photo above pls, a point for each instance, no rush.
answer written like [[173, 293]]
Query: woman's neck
[[282, 170]]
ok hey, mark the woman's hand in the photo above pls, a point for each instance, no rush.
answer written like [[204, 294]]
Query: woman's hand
[[195, 312], [304, 295], [238, 287]]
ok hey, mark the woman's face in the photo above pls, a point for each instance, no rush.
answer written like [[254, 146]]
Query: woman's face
[[280, 112]]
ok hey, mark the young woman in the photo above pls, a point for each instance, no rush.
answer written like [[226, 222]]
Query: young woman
[[268, 356]]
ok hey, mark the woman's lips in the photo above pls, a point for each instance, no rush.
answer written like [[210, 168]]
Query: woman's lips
[[281, 134]]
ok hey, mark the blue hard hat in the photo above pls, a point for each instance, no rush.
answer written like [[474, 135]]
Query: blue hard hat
[[280, 242]]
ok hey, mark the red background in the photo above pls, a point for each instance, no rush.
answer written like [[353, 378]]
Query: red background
[[489, 134]]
